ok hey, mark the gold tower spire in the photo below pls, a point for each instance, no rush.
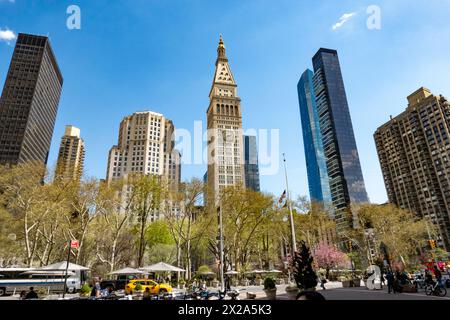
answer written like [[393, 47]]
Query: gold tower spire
[[221, 52]]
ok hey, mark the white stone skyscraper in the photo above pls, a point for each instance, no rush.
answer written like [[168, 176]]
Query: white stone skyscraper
[[224, 122], [145, 146]]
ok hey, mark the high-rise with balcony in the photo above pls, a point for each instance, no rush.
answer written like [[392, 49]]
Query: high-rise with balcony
[[414, 154], [225, 139], [70, 162], [251, 166], [323, 104], [29, 101]]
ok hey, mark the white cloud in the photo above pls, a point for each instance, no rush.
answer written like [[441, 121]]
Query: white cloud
[[343, 19], [7, 35]]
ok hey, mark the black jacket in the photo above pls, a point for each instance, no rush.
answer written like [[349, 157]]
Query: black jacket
[[31, 295]]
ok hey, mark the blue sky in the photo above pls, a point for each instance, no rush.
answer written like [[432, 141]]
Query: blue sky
[[159, 55]]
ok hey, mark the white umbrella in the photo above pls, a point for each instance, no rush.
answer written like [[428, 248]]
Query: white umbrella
[[274, 271], [255, 271], [126, 271], [162, 267], [206, 273], [62, 266], [231, 272]]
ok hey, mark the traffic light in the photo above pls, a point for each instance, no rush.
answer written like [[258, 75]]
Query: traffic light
[[433, 244], [350, 246]]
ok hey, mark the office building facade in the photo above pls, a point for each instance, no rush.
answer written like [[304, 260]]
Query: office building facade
[[251, 167], [29, 102], [414, 154]]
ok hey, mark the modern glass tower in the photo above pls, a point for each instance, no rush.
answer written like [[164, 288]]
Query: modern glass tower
[[334, 172], [339, 145], [319, 187], [251, 167], [29, 101]]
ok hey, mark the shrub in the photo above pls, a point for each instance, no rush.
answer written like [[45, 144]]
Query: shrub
[[41, 291], [304, 274], [269, 284], [203, 269], [85, 289]]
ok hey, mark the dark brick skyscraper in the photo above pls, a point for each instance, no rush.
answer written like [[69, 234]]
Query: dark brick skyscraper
[[29, 101]]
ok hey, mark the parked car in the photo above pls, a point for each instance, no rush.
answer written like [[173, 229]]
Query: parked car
[[155, 288], [117, 284]]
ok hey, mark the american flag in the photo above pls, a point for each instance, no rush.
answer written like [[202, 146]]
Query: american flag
[[282, 202]]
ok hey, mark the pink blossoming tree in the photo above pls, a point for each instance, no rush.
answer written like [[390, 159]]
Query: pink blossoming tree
[[328, 257]]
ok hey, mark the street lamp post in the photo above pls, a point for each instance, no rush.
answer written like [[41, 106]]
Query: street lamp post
[[291, 216], [433, 256], [221, 255], [69, 247]]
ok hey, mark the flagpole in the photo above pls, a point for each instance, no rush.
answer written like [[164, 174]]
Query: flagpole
[[291, 216], [67, 269], [222, 279]]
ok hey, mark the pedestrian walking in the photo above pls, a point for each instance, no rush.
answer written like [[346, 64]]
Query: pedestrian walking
[[323, 280], [398, 282], [390, 282], [96, 291], [227, 283]]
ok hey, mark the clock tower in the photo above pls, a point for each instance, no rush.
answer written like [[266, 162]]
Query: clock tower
[[224, 122]]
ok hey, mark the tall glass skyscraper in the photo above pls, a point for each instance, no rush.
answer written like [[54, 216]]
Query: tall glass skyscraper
[[345, 177], [251, 167], [319, 187]]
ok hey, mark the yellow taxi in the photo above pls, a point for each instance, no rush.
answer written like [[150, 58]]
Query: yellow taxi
[[155, 288]]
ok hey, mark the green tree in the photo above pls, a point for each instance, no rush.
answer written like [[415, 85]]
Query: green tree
[[245, 213], [145, 196], [22, 195], [158, 232], [186, 220], [403, 233]]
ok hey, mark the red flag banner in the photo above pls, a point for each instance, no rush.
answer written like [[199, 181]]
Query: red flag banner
[[74, 244]]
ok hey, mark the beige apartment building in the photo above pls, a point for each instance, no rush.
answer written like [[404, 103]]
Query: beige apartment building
[[70, 161], [414, 153], [224, 123], [145, 146]]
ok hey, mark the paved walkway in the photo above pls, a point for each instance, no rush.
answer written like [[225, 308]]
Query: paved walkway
[[362, 294]]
